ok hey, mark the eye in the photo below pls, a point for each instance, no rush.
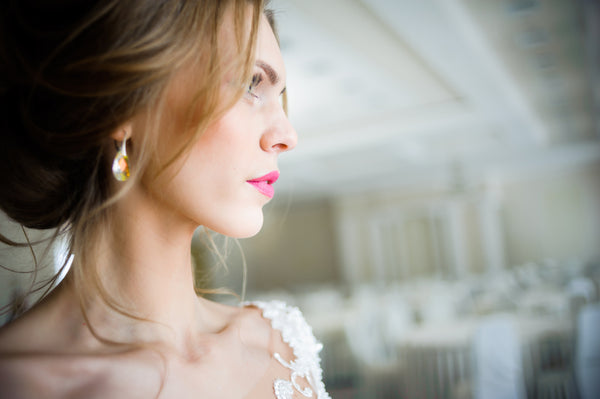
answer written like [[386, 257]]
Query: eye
[[256, 79]]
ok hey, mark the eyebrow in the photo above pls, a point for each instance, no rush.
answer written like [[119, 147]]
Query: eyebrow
[[271, 73]]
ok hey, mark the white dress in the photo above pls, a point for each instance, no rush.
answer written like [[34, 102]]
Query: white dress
[[296, 333]]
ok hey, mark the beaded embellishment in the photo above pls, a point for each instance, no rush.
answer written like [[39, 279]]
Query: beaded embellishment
[[299, 336]]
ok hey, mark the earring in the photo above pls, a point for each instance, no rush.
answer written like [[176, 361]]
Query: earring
[[120, 166]]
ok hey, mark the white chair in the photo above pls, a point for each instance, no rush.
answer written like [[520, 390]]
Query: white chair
[[364, 328], [380, 373], [397, 317], [583, 287], [497, 362], [587, 352], [580, 291]]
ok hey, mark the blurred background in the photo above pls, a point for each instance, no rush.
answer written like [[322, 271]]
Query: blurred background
[[439, 221]]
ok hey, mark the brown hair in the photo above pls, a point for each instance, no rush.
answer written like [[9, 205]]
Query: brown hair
[[71, 73]]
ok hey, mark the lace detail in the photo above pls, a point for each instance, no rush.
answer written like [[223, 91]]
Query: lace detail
[[299, 336]]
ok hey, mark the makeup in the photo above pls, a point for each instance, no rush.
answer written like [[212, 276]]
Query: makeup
[[264, 184]]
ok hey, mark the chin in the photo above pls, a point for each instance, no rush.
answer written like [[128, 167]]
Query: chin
[[243, 227]]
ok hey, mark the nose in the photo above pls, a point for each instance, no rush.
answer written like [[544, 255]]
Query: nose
[[280, 136]]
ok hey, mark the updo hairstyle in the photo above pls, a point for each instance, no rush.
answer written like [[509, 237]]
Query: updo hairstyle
[[73, 71]]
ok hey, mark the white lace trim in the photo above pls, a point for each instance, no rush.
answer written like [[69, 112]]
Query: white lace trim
[[295, 332]]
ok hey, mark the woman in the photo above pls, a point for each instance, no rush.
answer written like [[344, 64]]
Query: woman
[[131, 123]]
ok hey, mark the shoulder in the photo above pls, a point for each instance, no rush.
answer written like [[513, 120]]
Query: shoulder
[[32, 357], [35, 363], [39, 375], [294, 347], [290, 323]]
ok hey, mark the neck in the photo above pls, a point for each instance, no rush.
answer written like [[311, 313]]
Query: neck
[[145, 265]]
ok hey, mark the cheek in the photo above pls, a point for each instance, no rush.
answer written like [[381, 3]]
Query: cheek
[[214, 146], [217, 159], [230, 137], [219, 134]]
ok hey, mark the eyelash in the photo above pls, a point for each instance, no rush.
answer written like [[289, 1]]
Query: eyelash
[[256, 80]]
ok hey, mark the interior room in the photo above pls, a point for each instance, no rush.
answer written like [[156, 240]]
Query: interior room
[[445, 189], [438, 223]]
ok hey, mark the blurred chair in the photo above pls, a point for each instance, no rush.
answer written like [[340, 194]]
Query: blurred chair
[[547, 347], [364, 328], [381, 374], [580, 291], [556, 384], [587, 352], [497, 362], [341, 370], [582, 286], [437, 371], [397, 317], [438, 360], [553, 371]]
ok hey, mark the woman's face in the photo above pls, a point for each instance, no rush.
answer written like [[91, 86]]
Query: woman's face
[[227, 176]]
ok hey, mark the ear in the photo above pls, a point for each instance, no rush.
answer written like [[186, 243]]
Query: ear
[[122, 132]]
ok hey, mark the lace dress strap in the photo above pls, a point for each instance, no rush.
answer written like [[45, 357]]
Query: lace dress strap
[[296, 333]]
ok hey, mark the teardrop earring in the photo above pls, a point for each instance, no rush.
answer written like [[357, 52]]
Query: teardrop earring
[[120, 166]]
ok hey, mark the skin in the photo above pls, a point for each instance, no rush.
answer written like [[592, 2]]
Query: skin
[[210, 350]]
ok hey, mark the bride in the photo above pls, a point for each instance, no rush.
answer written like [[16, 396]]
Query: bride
[[129, 124]]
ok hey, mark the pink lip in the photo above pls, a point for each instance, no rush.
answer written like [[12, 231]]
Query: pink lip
[[264, 184]]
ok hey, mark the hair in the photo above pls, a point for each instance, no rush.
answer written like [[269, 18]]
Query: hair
[[73, 72]]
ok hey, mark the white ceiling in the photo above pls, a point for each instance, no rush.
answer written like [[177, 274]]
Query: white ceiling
[[398, 93]]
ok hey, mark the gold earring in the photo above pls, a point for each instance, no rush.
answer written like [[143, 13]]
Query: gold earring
[[120, 166]]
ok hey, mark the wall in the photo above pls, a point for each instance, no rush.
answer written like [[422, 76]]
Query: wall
[[431, 232], [17, 265], [553, 215], [296, 247]]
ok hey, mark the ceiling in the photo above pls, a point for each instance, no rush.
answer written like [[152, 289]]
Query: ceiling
[[403, 93]]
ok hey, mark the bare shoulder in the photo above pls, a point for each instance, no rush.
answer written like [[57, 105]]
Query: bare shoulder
[[271, 324], [256, 330], [34, 376], [19, 378], [29, 366], [44, 375], [36, 361]]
